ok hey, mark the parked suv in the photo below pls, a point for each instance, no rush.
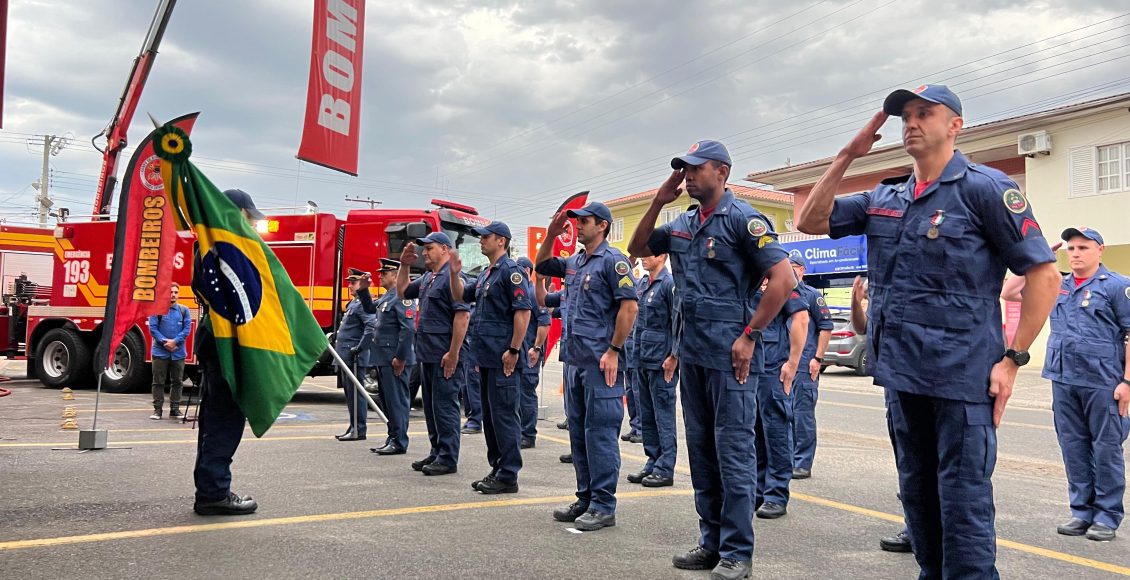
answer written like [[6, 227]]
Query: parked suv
[[846, 349]]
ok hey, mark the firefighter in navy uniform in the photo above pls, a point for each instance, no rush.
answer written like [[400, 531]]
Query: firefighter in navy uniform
[[503, 299], [220, 420], [719, 251], [805, 393], [600, 303], [351, 341], [534, 345], [393, 355], [939, 242]]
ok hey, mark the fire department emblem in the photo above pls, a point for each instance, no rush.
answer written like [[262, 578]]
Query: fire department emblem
[[1015, 201], [515, 278], [693, 149], [150, 174], [757, 227], [622, 268]]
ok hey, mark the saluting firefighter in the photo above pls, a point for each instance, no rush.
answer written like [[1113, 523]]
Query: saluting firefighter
[[502, 296], [354, 334], [393, 354]]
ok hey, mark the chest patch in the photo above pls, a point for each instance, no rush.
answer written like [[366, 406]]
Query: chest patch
[[885, 212]]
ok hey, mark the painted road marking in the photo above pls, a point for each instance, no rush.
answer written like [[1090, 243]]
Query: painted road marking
[[884, 409]]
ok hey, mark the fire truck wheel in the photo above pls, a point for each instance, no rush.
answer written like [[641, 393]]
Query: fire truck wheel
[[63, 359], [128, 372]]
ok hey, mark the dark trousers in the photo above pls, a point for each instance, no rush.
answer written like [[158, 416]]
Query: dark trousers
[[774, 439], [720, 413], [805, 395], [355, 402], [1091, 434], [219, 429], [657, 421], [167, 372], [631, 392], [595, 412], [471, 394], [502, 427], [529, 406], [946, 451], [394, 391], [441, 411]]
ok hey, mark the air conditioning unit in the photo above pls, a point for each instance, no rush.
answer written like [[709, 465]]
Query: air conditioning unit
[[1031, 144]]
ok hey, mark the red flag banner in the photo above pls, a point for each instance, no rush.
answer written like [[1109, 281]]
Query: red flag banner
[[142, 269], [3, 52], [563, 247], [332, 127]]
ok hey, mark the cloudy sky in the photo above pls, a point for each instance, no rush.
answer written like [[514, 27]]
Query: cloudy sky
[[512, 106]]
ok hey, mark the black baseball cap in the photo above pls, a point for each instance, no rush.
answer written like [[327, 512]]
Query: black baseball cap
[[243, 201]]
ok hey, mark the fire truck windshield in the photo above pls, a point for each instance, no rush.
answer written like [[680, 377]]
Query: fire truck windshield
[[467, 243]]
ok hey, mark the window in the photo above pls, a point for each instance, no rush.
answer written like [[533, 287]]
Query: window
[[616, 233], [789, 225], [668, 215], [1112, 167], [1099, 170]]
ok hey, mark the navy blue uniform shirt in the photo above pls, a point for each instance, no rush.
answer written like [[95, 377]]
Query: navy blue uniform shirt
[[435, 314], [653, 336], [394, 331], [1087, 346], [500, 291], [936, 265]]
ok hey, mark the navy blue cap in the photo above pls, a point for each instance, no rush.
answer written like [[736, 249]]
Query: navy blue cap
[[356, 274], [243, 201], [525, 262], [389, 265], [940, 94], [593, 208], [798, 259], [435, 238], [1088, 233], [496, 227], [701, 152]]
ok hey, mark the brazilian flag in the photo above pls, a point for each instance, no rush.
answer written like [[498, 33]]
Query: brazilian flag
[[266, 336]]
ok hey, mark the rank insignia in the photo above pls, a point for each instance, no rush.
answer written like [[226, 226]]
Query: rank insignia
[[764, 241], [757, 227], [625, 282], [1015, 201]]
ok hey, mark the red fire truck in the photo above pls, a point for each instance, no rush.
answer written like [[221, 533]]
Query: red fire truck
[[58, 326]]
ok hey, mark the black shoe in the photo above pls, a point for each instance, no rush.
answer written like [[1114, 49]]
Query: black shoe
[[1075, 527], [419, 465], [175, 414], [344, 435], [655, 480], [698, 558], [492, 486], [475, 484], [638, 476], [566, 458], [563, 425], [439, 469], [637, 438], [897, 543], [156, 415], [593, 520], [626, 436], [390, 449], [469, 429], [570, 512], [528, 443], [802, 473], [352, 437], [1100, 533], [729, 569], [232, 505], [771, 511]]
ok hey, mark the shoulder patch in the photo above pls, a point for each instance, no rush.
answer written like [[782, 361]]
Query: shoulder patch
[[821, 302], [757, 227], [515, 278], [406, 302], [764, 241], [622, 268], [1127, 292], [626, 282], [1015, 201]]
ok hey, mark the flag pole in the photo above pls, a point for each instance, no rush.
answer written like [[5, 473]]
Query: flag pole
[[357, 384]]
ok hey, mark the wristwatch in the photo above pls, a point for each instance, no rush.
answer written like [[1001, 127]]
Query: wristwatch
[[818, 359], [752, 333], [512, 350], [615, 348], [1126, 382], [1020, 357]]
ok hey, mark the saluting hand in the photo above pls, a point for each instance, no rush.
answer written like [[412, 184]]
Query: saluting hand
[[1001, 380], [788, 373], [1122, 395], [557, 225], [860, 145], [408, 255], [455, 263], [741, 353], [670, 190], [610, 364]]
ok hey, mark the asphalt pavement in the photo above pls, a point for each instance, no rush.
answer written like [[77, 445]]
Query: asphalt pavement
[[332, 509]]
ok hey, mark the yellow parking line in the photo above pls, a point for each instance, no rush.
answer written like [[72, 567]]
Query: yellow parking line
[[316, 518], [874, 408]]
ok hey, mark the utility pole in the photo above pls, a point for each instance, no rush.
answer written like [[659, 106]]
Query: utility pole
[[372, 202], [52, 145]]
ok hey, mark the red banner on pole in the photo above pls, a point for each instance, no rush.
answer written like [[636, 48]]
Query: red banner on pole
[[332, 127], [3, 52], [141, 273], [563, 247]]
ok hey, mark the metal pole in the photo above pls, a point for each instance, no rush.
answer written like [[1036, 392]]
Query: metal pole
[[42, 197], [357, 384], [97, 396]]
